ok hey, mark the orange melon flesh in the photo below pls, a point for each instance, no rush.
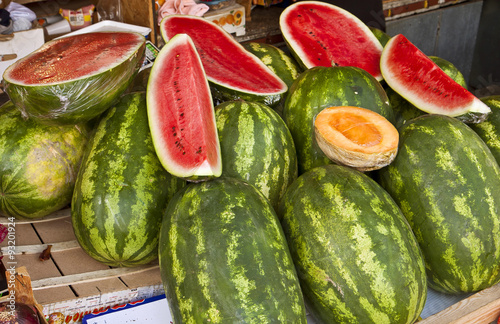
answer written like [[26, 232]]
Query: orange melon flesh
[[356, 137]]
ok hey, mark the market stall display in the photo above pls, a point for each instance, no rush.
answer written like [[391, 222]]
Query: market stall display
[[335, 242]]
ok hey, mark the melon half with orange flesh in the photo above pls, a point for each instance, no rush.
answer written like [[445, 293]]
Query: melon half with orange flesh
[[356, 137]]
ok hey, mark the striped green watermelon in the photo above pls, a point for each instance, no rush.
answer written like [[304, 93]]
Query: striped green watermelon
[[355, 254], [38, 164], [232, 71], [382, 36], [122, 189], [489, 130], [224, 258], [322, 87], [283, 65], [73, 79], [446, 182], [256, 147], [322, 34], [405, 110]]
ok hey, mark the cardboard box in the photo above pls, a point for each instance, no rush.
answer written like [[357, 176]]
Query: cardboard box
[[231, 19], [21, 44]]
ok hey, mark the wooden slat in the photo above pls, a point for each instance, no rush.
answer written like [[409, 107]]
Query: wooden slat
[[480, 308], [54, 216], [39, 248], [87, 277]]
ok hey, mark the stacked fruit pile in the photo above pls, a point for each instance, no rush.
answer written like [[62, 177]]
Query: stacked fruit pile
[[347, 177]]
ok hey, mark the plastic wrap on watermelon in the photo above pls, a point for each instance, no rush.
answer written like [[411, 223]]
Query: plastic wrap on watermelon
[[73, 79]]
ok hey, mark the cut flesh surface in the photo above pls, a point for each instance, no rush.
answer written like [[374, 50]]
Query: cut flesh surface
[[225, 61], [74, 57], [321, 34], [413, 75], [181, 113]]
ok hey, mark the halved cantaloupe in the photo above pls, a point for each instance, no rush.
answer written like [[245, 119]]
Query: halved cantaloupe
[[356, 137]]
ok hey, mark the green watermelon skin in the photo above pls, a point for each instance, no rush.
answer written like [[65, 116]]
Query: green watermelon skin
[[489, 130], [322, 87], [283, 65], [224, 258], [404, 110], [38, 164], [355, 254], [79, 100], [256, 147], [445, 181], [122, 189]]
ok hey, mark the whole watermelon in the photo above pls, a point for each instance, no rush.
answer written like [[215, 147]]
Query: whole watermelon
[[224, 258], [489, 130], [38, 164], [256, 147], [122, 189], [355, 254], [446, 180], [323, 87]]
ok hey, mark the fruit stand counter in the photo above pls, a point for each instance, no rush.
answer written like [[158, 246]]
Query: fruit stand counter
[[66, 279]]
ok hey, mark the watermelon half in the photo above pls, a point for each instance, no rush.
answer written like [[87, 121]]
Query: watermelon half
[[233, 72], [181, 112], [421, 81], [76, 78], [322, 34]]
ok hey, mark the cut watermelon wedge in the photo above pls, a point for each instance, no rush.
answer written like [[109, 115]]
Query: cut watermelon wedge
[[236, 72], [418, 79], [322, 34], [181, 113]]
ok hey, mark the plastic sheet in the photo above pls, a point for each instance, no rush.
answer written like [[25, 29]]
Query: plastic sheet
[[57, 97]]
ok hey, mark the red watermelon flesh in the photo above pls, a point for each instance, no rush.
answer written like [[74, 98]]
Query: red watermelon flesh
[[413, 75], [322, 34], [181, 112], [225, 61]]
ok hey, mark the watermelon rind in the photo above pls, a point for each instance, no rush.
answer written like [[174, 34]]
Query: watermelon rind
[[122, 189], [316, 39], [356, 257], [38, 164], [233, 72], [188, 112], [224, 258], [418, 79], [489, 130], [445, 181], [256, 147], [284, 65], [76, 100]]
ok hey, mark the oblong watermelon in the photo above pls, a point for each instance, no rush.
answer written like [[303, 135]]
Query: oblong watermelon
[[122, 189], [322, 87], [322, 34], [355, 254], [418, 79], [38, 164], [446, 182], [73, 79], [256, 147], [233, 72], [224, 258], [181, 112], [489, 130]]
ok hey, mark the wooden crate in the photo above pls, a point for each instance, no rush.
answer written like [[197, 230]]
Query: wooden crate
[[70, 281]]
